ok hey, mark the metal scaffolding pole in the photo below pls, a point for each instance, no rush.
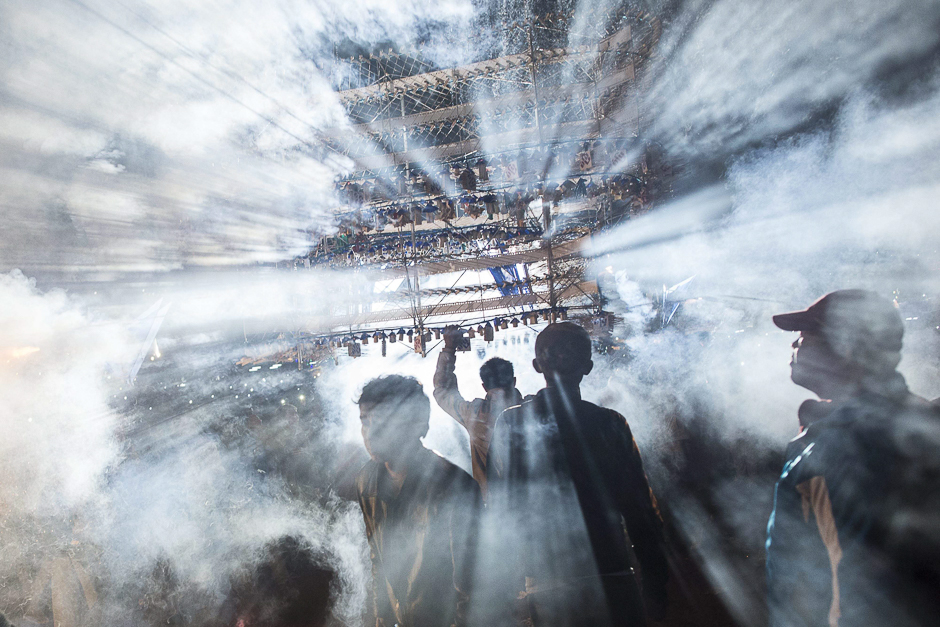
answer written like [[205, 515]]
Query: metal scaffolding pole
[[419, 319], [546, 206]]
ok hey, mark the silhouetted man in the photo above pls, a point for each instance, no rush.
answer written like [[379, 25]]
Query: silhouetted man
[[479, 415], [569, 483], [419, 509], [853, 539]]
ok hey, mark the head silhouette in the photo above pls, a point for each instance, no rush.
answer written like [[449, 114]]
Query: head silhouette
[[395, 414], [563, 354], [848, 339], [497, 373]]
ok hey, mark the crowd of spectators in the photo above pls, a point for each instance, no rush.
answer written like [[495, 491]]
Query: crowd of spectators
[[472, 207]]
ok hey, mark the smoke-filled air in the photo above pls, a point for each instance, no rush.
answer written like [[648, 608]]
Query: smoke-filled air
[[470, 313]]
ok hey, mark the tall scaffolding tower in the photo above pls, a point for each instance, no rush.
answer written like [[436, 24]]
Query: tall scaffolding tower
[[529, 110]]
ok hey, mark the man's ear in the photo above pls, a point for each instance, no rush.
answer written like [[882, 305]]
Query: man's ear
[[588, 367], [535, 364], [514, 382]]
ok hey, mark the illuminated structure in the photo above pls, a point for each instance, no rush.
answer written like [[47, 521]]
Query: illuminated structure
[[499, 165]]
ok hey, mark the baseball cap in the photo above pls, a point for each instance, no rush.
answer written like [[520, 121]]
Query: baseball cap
[[848, 317]]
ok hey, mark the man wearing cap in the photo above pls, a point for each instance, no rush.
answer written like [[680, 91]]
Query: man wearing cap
[[853, 538], [479, 415], [568, 489]]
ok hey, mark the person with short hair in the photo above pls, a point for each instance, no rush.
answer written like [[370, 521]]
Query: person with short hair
[[420, 511], [292, 585], [568, 489], [479, 415], [853, 537]]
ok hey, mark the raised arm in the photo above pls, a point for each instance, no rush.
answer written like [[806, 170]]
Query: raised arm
[[446, 394]]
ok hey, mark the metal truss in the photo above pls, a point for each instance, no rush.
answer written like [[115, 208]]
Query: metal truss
[[402, 114], [549, 88], [574, 293]]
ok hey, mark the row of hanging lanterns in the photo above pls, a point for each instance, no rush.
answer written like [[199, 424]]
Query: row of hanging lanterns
[[485, 330]]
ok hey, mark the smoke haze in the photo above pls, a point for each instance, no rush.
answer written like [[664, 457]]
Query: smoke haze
[[147, 145]]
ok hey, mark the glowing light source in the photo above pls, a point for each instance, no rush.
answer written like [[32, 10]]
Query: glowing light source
[[17, 352]]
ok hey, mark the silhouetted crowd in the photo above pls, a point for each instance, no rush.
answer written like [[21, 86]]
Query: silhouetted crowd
[[485, 198], [558, 527]]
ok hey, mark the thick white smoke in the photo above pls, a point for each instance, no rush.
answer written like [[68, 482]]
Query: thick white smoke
[[151, 136], [122, 153], [57, 425], [85, 467], [729, 73]]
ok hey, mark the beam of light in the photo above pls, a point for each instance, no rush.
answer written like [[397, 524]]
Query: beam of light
[[18, 352], [123, 171]]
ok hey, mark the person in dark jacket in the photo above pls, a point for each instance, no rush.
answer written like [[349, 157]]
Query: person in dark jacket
[[420, 512], [479, 415], [853, 538], [568, 488]]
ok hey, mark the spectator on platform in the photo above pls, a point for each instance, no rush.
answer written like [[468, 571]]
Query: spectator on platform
[[420, 512], [567, 486], [479, 415], [853, 538]]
